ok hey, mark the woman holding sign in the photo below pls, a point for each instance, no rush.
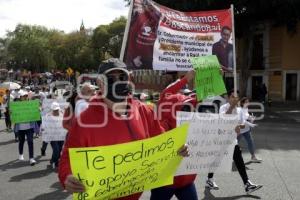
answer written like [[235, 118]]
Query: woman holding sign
[[25, 129]]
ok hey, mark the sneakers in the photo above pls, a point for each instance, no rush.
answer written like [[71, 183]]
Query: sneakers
[[256, 160], [250, 187], [32, 161], [211, 184], [21, 157], [43, 152]]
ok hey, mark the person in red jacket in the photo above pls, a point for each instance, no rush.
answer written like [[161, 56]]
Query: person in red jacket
[[171, 101], [86, 131]]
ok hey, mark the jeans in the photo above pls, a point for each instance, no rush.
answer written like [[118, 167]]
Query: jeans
[[44, 146], [56, 149], [239, 163], [29, 136], [165, 193], [249, 140], [7, 120]]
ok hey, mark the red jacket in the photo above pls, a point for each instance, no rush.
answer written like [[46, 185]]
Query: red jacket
[[68, 118], [116, 131], [168, 98]]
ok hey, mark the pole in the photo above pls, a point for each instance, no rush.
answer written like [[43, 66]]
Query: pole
[[126, 31], [234, 52]]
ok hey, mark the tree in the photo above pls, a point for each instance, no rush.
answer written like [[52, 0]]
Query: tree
[[38, 49], [27, 48], [107, 39]]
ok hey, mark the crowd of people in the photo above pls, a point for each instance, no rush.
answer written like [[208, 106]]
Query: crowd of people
[[136, 121]]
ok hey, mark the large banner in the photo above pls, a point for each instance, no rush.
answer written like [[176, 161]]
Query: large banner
[[52, 129], [211, 140], [160, 38], [109, 172], [25, 111]]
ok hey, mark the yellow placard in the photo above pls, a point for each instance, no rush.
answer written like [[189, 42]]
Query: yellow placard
[[109, 172], [69, 71]]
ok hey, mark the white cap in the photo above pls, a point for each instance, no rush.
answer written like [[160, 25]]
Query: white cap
[[55, 106]]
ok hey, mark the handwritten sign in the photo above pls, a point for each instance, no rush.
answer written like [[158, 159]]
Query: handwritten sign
[[110, 172], [211, 140], [25, 111], [52, 129], [46, 105], [209, 81]]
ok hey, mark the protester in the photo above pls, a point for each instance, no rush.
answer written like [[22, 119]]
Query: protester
[[55, 118], [25, 129], [231, 108], [183, 186], [247, 120], [127, 120]]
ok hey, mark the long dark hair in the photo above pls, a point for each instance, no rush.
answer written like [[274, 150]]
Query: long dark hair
[[243, 100], [72, 99]]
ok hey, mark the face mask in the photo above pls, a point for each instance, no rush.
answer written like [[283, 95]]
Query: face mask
[[121, 91]]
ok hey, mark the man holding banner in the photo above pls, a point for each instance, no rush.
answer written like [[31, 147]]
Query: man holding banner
[[113, 117]]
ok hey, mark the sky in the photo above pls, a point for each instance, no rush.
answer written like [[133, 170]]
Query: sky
[[63, 15]]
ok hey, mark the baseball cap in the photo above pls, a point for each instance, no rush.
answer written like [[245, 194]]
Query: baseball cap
[[110, 65], [55, 106]]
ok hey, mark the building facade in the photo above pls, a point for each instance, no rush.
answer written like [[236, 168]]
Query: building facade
[[275, 63]]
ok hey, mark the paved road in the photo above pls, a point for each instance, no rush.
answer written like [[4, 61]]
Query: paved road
[[277, 139]]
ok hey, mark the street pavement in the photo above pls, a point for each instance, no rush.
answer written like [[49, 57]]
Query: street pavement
[[277, 140]]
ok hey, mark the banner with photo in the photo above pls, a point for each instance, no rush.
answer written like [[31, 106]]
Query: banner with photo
[[161, 38]]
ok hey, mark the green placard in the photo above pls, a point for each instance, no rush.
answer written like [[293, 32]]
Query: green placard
[[209, 81], [25, 111]]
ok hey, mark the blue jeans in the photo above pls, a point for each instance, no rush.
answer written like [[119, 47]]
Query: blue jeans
[[56, 149], [29, 136], [249, 140], [165, 193]]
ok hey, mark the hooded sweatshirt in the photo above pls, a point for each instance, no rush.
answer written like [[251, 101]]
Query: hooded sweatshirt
[[170, 102], [140, 125]]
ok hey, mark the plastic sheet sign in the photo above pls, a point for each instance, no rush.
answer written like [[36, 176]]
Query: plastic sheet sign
[[25, 111], [211, 139], [209, 81], [110, 172]]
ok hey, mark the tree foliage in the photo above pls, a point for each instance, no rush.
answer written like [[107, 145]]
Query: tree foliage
[[38, 49]]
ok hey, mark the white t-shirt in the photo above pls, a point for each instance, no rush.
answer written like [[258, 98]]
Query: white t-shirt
[[80, 106], [244, 117], [224, 108]]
